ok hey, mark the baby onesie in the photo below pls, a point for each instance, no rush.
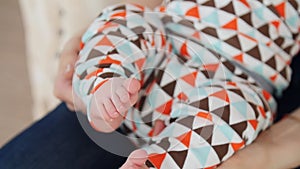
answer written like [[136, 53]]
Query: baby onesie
[[208, 69]]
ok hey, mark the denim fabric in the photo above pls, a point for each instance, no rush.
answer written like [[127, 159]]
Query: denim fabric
[[56, 142]]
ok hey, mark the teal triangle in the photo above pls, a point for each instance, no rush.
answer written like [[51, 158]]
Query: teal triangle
[[259, 12], [201, 153], [217, 46], [135, 20], [251, 33], [213, 18], [180, 112], [258, 69], [228, 74], [241, 107], [178, 9], [227, 131], [200, 91], [125, 48], [197, 56], [86, 36], [292, 21]]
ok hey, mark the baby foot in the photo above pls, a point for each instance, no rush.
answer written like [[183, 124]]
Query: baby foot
[[111, 101], [136, 160]]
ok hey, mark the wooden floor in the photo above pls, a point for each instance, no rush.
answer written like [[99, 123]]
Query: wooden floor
[[15, 99]]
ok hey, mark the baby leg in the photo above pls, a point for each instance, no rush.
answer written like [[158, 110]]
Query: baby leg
[[215, 122]]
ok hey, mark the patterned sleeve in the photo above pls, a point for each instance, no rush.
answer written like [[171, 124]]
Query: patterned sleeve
[[116, 44]]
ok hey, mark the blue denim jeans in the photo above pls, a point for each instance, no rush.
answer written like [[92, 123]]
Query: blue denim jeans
[[56, 142]]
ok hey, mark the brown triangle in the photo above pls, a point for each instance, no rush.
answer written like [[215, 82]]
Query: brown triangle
[[164, 143], [229, 66], [271, 62], [209, 3], [254, 108], [186, 23], [254, 52], [202, 104], [229, 8], [288, 49], [234, 41], [170, 88], [208, 74], [179, 157], [283, 73], [210, 31], [187, 121], [119, 21], [247, 18], [94, 53], [238, 92], [121, 7], [264, 30], [279, 41], [239, 128], [148, 119], [221, 150], [206, 132], [223, 112], [117, 33]]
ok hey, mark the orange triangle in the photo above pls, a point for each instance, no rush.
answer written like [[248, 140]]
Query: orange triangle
[[150, 134], [231, 83], [139, 6], [190, 78], [273, 78], [237, 146], [185, 138], [221, 95], [262, 111], [231, 25], [211, 167], [253, 123], [276, 24], [162, 9], [193, 12], [119, 14], [266, 94], [106, 25], [183, 50], [157, 159], [182, 96], [109, 60], [239, 58], [245, 3], [134, 128], [94, 73], [163, 40], [98, 86], [165, 108], [211, 67], [205, 115], [105, 41], [196, 35], [140, 63], [81, 45], [281, 9]]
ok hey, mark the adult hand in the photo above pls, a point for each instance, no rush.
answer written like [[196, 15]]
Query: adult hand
[[276, 148], [63, 81]]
